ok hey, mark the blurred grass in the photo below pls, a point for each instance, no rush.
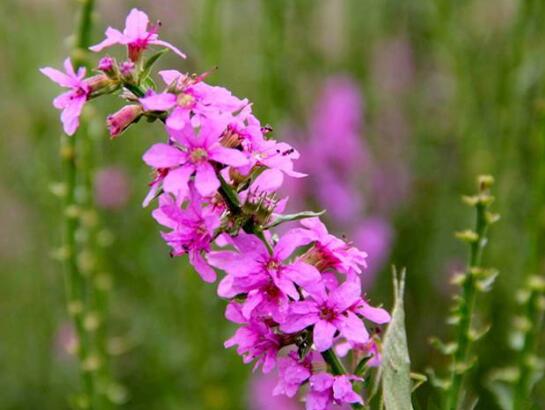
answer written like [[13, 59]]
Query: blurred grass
[[474, 104]]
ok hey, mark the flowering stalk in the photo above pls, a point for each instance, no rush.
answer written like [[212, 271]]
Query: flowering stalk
[[475, 278], [75, 282], [529, 325], [294, 293]]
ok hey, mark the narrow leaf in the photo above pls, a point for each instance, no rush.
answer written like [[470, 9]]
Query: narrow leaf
[[151, 61], [280, 219], [396, 364]]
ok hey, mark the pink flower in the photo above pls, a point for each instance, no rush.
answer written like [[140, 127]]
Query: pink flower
[[369, 349], [375, 235], [330, 252], [292, 373], [329, 313], [135, 36], [191, 101], [192, 230], [256, 341], [71, 102], [265, 277], [112, 188], [326, 389], [195, 155]]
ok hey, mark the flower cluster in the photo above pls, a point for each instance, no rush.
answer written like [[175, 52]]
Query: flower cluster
[[294, 296]]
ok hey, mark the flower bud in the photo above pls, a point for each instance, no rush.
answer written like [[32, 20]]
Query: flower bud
[[108, 66], [120, 121], [100, 84], [127, 70]]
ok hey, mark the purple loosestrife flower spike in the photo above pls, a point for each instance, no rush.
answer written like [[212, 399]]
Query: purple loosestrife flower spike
[[292, 294]]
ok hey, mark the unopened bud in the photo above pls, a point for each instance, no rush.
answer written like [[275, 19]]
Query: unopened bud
[[100, 84], [122, 119], [108, 66], [127, 68]]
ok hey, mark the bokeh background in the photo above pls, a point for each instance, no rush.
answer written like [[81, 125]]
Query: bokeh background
[[396, 106]]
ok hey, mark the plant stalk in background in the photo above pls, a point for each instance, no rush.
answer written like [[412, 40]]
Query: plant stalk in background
[[474, 279]]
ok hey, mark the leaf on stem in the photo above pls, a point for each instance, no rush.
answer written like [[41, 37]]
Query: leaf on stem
[[395, 370], [280, 219]]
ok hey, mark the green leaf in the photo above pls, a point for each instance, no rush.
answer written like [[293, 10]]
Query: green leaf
[[148, 65], [293, 217], [396, 364]]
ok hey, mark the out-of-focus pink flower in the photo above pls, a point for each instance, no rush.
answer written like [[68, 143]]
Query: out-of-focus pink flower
[[112, 188], [65, 341], [261, 395], [374, 235], [135, 36], [71, 102]]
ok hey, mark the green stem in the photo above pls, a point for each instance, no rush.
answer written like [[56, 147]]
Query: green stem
[[75, 284], [76, 287], [533, 319], [467, 303]]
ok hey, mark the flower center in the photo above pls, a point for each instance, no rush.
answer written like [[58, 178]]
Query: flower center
[[320, 257], [198, 155], [272, 265], [326, 313], [185, 100]]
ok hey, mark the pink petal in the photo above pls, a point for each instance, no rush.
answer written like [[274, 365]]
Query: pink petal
[[295, 323], [178, 119], [287, 286], [346, 295], [352, 328], [343, 391], [302, 273], [323, 335], [206, 181], [232, 263], [233, 313], [203, 269], [268, 181], [70, 115], [170, 76], [228, 156], [373, 314], [158, 102], [136, 24], [253, 300], [289, 242], [226, 288], [169, 46], [303, 308], [113, 36], [163, 156], [321, 381], [57, 76], [176, 181]]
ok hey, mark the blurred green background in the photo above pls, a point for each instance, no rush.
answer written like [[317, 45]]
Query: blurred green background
[[457, 87]]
